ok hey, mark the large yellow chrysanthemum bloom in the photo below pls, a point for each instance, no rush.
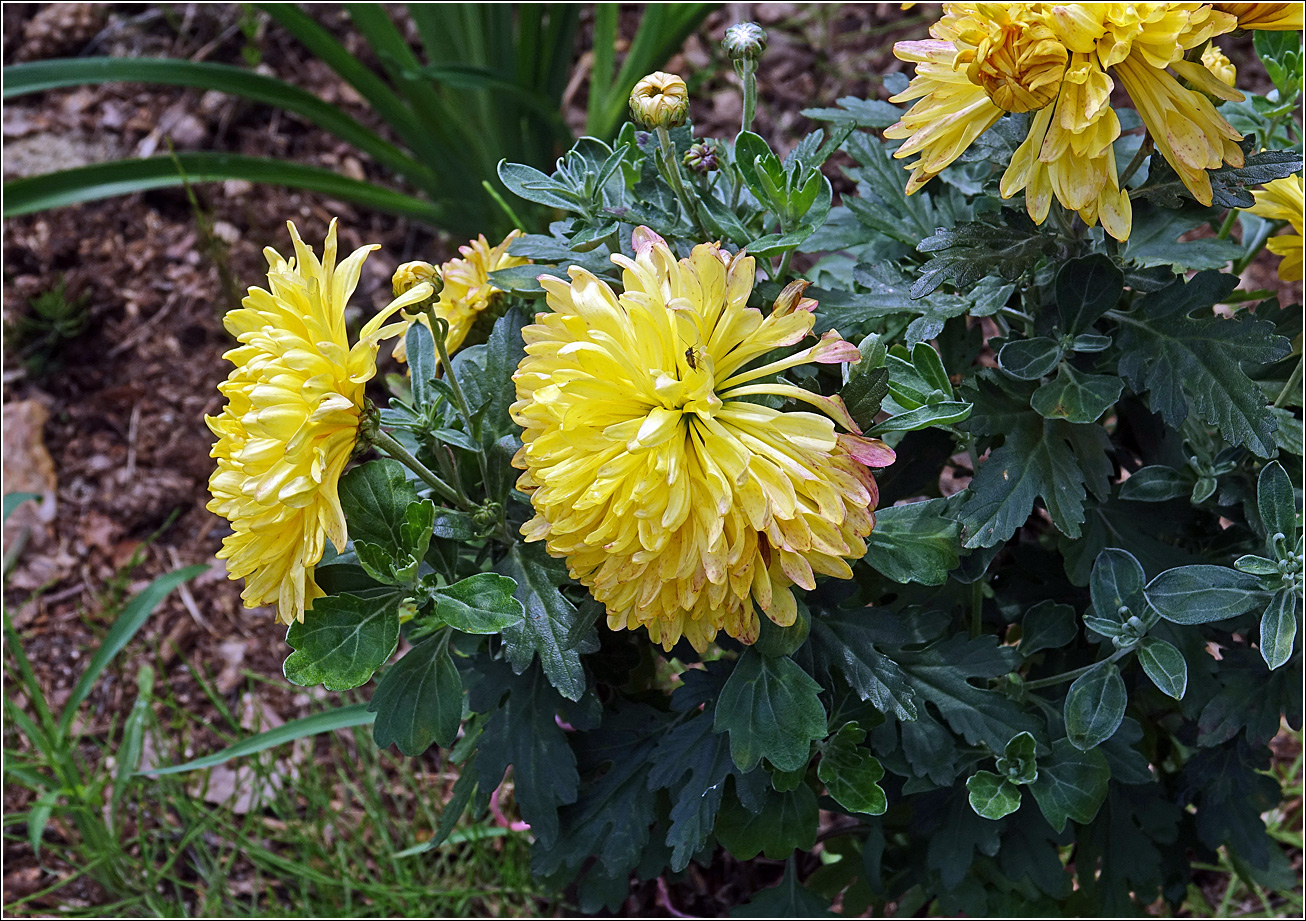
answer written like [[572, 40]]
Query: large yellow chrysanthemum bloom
[[680, 503], [1282, 200], [1058, 61], [467, 289], [295, 399], [1277, 17]]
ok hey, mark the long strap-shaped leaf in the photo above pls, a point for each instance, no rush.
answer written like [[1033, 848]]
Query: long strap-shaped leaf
[[35, 77], [340, 718], [119, 177], [324, 47]]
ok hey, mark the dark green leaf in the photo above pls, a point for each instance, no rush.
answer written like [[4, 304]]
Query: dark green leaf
[[1155, 484], [342, 641], [1117, 582], [1256, 565], [1279, 628], [483, 603], [1230, 184], [1177, 360], [375, 497], [1276, 501], [1075, 396], [945, 413], [696, 749], [548, 625], [1071, 784], [419, 700], [772, 710], [1029, 359], [1085, 289], [915, 542], [1154, 237], [1047, 625], [522, 730], [1049, 459], [851, 773], [1203, 594], [861, 113], [939, 674], [992, 796], [953, 844], [843, 639], [1165, 665], [1095, 705], [863, 394], [1090, 343], [785, 822], [789, 899], [970, 251], [1248, 701]]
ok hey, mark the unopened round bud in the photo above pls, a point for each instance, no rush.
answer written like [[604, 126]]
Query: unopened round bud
[[744, 41], [659, 101], [411, 274], [702, 157]]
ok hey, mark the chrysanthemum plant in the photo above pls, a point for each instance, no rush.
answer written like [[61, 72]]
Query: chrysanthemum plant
[[956, 531]]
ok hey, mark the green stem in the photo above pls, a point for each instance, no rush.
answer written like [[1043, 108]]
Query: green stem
[[1075, 673], [1227, 226], [1143, 152], [1294, 380], [382, 440], [507, 208], [747, 70], [784, 266], [440, 328], [673, 177]]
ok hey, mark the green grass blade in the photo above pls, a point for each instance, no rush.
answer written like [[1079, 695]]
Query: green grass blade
[[340, 718], [119, 177], [133, 617], [14, 499], [43, 75], [605, 43], [323, 46], [46, 738]]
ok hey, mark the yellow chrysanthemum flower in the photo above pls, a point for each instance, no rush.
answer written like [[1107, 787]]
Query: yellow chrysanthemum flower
[[291, 421], [467, 289], [660, 100], [1283, 200], [1058, 61], [683, 505], [1277, 17]]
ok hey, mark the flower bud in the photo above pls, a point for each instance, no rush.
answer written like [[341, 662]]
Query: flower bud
[[411, 274], [660, 100], [1221, 67], [744, 41], [702, 157]]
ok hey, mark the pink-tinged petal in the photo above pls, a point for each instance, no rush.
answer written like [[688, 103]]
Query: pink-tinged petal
[[834, 349], [644, 239], [870, 451], [790, 298]]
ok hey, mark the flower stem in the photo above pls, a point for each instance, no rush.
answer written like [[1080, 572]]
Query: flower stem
[[673, 177], [393, 448], [1075, 673], [440, 329], [747, 70], [1294, 381], [1144, 150], [1227, 226]]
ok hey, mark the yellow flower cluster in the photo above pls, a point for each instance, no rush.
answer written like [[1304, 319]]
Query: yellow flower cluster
[[467, 290], [295, 399], [681, 502], [1282, 200], [1062, 62]]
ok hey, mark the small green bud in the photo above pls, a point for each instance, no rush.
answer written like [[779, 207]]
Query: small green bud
[[744, 41]]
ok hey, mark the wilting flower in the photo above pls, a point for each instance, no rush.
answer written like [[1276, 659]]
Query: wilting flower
[[1061, 62], [1282, 200], [467, 290], [660, 100], [295, 399], [1278, 17], [681, 502]]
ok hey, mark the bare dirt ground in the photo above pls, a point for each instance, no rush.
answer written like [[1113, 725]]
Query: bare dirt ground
[[111, 420]]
